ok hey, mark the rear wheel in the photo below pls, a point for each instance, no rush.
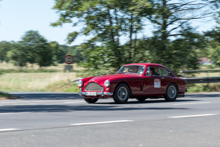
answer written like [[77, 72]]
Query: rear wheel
[[91, 100], [121, 94], [171, 92]]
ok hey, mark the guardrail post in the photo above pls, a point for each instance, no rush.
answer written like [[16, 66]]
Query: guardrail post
[[207, 73]]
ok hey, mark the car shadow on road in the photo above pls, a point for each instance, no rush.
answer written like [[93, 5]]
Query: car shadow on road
[[69, 108], [48, 96], [133, 101]]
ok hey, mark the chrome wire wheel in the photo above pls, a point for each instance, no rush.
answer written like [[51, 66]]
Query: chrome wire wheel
[[172, 91], [122, 93]]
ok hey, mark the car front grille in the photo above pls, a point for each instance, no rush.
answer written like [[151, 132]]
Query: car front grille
[[93, 87]]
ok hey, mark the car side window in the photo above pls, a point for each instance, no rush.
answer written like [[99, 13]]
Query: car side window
[[164, 72], [156, 72], [152, 71], [147, 71]]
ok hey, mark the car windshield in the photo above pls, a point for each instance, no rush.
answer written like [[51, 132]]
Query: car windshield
[[135, 69]]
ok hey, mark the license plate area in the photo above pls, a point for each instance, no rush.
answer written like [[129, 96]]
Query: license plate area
[[91, 94]]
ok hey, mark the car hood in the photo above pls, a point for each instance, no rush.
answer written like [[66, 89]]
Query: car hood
[[101, 79]]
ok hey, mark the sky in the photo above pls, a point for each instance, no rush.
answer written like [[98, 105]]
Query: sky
[[20, 16]]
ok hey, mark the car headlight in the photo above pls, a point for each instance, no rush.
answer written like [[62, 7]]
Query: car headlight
[[107, 83], [80, 83]]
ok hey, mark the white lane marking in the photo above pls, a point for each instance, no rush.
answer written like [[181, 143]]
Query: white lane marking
[[104, 122], [14, 113], [9, 129], [193, 103], [74, 102], [199, 115], [6, 113]]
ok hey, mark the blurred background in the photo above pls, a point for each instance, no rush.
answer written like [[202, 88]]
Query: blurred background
[[102, 35]]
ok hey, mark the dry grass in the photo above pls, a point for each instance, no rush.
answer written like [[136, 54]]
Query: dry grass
[[45, 81], [32, 81], [35, 66]]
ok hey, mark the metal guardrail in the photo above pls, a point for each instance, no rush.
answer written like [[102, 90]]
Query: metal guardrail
[[194, 71], [201, 79]]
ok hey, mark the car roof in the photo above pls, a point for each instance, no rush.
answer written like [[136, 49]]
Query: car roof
[[150, 64]]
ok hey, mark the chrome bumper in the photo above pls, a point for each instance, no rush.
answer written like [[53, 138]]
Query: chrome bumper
[[102, 93]]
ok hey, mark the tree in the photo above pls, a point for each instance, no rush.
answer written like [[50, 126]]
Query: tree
[[213, 36], [169, 17], [4, 48], [58, 52], [37, 49], [107, 21], [18, 55], [76, 52], [213, 45]]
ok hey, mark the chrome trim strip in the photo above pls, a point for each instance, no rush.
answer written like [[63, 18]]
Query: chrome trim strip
[[98, 93]]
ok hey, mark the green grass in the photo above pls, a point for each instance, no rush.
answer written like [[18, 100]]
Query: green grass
[[204, 87], [34, 81], [63, 87]]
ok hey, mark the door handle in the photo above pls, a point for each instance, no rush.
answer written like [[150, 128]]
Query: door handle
[[162, 78]]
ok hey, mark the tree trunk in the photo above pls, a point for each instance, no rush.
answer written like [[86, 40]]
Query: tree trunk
[[111, 25], [131, 33], [135, 41], [116, 19], [164, 30]]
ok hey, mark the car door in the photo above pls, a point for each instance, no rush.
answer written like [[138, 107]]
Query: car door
[[165, 78], [153, 83]]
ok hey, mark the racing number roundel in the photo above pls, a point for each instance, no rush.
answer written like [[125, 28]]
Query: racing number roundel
[[68, 59], [157, 83]]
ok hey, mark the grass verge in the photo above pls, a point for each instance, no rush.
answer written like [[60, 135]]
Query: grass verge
[[62, 87], [211, 87]]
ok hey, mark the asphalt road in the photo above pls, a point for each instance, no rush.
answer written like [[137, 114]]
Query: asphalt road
[[65, 120]]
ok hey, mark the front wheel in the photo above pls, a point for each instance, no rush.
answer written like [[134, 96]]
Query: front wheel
[[121, 94], [91, 100], [171, 92]]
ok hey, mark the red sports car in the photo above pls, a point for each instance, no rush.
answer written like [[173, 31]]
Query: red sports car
[[137, 80]]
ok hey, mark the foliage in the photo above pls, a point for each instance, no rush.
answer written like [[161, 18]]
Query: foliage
[[4, 48], [213, 45], [37, 49], [18, 55], [110, 21], [107, 21], [3, 94]]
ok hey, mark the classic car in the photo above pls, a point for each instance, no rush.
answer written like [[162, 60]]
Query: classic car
[[136, 80]]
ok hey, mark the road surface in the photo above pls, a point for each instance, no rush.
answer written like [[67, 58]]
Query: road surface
[[65, 120]]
